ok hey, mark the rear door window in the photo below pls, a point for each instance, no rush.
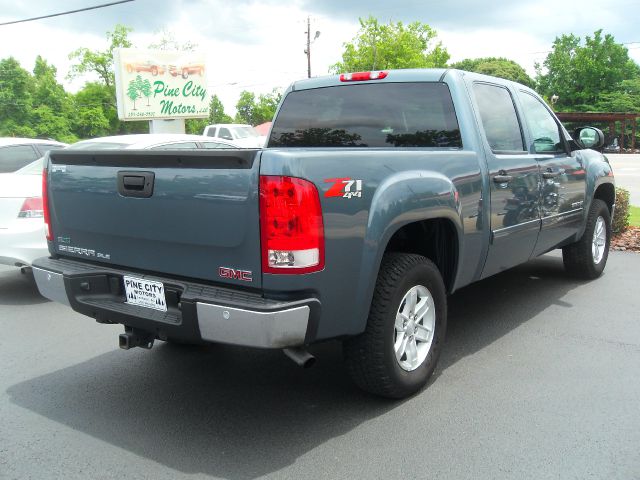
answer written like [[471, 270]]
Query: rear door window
[[499, 118], [15, 157], [368, 115], [215, 145]]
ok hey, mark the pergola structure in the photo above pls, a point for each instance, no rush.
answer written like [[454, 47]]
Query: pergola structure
[[611, 118]]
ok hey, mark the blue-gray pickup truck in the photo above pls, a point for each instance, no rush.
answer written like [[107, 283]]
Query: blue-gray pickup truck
[[378, 194]]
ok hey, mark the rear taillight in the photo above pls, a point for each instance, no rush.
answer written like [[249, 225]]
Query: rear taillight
[[362, 76], [291, 226], [45, 206], [31, 208]]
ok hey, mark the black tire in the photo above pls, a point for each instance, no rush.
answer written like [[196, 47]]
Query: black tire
[[370, 357], [578, 258]]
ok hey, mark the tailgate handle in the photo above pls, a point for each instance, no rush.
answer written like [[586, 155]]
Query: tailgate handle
[[136, 184]]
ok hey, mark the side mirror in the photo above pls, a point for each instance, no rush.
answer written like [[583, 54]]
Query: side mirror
[[589, 137]]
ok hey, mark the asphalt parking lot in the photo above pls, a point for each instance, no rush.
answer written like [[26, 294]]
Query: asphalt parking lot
[[540, 378]]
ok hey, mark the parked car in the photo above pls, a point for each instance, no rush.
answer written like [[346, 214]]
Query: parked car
[[244, 135], [15, 153], [148, 66], [378, 194], [613, 147], [22, 236]]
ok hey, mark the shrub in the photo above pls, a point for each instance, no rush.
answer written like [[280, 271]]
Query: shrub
[[621, 215]]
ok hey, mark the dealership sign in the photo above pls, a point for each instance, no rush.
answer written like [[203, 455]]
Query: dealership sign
[[157, 84]]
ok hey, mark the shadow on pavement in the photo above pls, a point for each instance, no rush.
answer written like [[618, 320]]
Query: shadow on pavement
[[241, 413], [18, 289]]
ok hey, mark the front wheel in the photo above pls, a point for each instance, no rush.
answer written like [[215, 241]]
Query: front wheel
[[399, 349], [587, 257]]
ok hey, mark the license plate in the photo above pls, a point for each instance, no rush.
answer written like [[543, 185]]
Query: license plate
[[145, 293]]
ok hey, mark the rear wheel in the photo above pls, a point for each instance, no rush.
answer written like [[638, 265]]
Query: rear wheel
[[399, 349], [587, 257]]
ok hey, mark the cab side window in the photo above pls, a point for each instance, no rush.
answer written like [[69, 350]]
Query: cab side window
[[499, 118], [225, 133], [543, 127]]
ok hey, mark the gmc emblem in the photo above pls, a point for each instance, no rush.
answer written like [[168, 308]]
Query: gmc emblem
[[233, 274]]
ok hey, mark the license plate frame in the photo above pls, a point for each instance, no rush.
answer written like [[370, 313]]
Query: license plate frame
[[141, 292]]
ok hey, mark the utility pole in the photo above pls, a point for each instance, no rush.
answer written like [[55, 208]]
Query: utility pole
[[308, 47], [309, 42]]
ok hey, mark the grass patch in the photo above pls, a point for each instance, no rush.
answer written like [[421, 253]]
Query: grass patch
[[634, 216]]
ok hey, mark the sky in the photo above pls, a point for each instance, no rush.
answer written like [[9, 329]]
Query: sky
[[259, 45]]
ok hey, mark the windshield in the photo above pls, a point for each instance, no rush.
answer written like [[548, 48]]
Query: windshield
[[90, 145], [34, 168], [246, 132]]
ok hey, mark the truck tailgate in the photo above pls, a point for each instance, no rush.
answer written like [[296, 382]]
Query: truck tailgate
[[196, 216]]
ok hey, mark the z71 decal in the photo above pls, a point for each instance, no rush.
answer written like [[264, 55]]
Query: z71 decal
[[344, 187]]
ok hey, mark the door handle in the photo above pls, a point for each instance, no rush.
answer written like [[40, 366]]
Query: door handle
[[502, 178], [136, 184], [133, 182]]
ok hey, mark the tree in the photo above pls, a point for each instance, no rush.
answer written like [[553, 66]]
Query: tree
[[145, 89], [167, 41], [498, 67], [580, 74], [100, 62], [217, 113], [16, 99], [394, 45], [90, 122], [255, 112], [133, 90]]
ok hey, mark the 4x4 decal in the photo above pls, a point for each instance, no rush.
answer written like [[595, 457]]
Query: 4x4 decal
[[344, 187]]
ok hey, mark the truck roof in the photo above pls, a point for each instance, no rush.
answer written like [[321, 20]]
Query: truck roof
[[394, 76]]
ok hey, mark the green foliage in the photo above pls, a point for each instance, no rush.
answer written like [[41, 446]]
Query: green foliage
[[620, 220], [91, 122], [100, 62], [16, 98], [217, 113], [498, 67], [47, 123], [195, 126], [581, 73], [167, 41], [634, 216], [390, 46], [255, 112]]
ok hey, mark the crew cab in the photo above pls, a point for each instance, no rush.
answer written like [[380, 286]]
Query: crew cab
[[378, 194]]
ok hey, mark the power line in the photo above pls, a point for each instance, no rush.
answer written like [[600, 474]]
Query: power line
[[66, 13]]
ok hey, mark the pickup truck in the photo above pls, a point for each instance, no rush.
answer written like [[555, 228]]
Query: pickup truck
[[378, 194]]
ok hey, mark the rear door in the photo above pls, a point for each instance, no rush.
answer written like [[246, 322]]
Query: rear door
[[190, 214], [563, 175], [514, 180]]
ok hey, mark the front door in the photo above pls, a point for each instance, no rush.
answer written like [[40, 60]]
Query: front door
[[563, 175], [514, 180]]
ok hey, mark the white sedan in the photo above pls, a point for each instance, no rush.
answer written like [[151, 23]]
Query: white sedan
[[22, 237]]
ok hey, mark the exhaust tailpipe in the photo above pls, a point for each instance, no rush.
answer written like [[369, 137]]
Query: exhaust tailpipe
[[300, 356]]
